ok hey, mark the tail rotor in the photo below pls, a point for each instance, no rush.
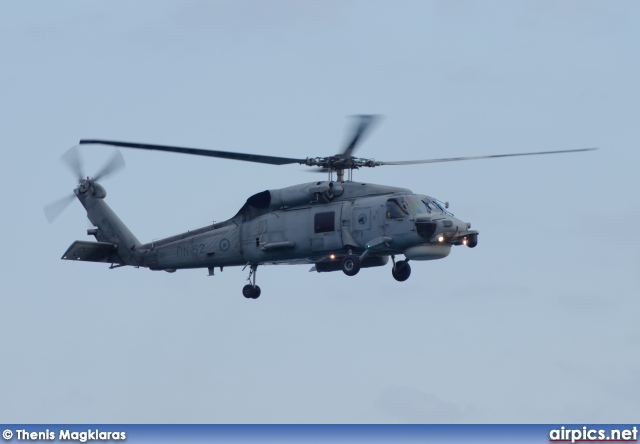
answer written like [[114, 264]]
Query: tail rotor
[[73, 161]]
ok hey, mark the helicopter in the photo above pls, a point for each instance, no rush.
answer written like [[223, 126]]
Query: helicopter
[[333, 225]]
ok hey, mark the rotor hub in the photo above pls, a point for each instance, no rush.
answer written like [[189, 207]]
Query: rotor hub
[[84, 185]]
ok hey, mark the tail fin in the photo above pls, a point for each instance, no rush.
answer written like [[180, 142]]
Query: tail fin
[[110, 229]]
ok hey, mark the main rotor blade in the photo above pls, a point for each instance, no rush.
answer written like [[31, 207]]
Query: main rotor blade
[[273, 160], [54, 209], [73, 160], [366, 122], [114, 164], [454, 159]]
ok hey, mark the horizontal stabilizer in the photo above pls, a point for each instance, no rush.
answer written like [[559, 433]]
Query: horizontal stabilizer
[[92, 252]]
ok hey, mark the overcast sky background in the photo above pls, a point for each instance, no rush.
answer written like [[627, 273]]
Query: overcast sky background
[[539, 323]]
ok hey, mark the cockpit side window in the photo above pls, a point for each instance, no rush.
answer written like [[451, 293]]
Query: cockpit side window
[[396, 209]]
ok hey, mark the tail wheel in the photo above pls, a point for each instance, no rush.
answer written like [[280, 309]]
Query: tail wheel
[[351, 265], [401, 271]]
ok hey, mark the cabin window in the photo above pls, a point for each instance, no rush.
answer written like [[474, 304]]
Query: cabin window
[[325, 222]]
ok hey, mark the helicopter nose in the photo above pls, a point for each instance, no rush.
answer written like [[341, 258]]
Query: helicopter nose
[[426, 228], [447, 229]]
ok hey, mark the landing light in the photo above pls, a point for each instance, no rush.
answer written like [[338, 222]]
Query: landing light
[[332, 257], [440, 238], [464, 241]]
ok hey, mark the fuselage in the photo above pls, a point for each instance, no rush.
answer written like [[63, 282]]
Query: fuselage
[[317, 223]]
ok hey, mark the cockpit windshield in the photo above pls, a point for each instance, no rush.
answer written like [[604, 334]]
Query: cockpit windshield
[[442, 206], [431, 206], [420, 204]]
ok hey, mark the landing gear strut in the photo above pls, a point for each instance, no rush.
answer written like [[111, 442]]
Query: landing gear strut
[[401, 270], [251, 291]]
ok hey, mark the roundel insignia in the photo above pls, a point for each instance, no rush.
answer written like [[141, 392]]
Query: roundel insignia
[[78, 252], [362, 219], [224, 244]]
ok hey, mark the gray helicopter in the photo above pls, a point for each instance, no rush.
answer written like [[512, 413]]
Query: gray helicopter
[[333, 225]]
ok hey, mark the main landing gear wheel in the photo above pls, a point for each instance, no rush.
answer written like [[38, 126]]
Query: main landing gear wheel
[[401, 271], [351, 265], [251, 292]]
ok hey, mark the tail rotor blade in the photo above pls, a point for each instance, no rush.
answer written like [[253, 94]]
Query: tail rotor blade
[[54, 209], [73, 160], [115, 164]]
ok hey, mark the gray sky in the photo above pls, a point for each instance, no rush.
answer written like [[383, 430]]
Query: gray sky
[[537, 324]]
